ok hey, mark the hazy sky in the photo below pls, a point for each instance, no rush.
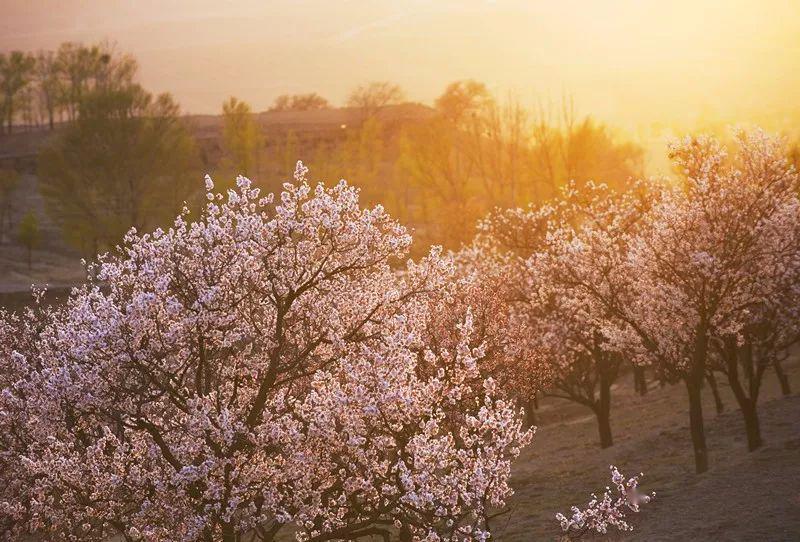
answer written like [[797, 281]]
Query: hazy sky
[[623, 60]]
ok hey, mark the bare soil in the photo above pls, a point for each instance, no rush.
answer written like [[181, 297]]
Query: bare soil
[[744, 495], [52, 263]]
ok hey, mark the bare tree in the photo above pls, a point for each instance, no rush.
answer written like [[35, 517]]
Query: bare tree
[[242, 136], [127, 161], [480, 152], [16, 71], [567, 147], [9, 179], [370, 98], [300, 102], [48, 84]]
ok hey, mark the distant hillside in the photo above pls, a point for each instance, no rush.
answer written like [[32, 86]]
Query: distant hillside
[[56, 264], [19, 149]]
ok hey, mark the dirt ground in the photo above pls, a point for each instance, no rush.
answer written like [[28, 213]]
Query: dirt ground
[[53, 264], [744, 496]]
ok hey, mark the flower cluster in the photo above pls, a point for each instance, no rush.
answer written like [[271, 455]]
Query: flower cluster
[[264, 367], [273, 366], [609, 510], [690, 278], [561, 266]]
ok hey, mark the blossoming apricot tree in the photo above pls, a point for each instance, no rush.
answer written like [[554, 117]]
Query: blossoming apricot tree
[[607, 511], [716, 270], [564, 260], [261, 368]]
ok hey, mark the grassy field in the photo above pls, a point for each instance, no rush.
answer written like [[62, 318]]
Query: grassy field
[[744, 496]]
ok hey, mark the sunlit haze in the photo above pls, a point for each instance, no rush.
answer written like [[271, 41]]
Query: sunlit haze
[[371, 271], [634, 63]]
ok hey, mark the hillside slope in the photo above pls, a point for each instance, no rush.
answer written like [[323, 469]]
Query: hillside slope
[[744, 496], [57, 265]]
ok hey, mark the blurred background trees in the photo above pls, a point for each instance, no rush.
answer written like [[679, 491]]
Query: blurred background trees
[[29, 235], [44, 88], [128, 160], [300, 102], [368, 99], [479, 152], [439, 169], [241, 137], [9, 180], [48, 83], [84, 69], [16, 71]]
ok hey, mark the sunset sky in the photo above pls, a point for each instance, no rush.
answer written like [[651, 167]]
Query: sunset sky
[[630, 62]]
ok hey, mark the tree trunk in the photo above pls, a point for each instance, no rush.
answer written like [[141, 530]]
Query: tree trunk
[[748, 406], [603, 411], [228, 533], [693, 387], [604, 427], [530, 413], [752, 427], [639, 380], [712, 383], [783, 378]]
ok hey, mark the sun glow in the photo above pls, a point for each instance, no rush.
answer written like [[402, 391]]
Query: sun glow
[[647, 67]]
